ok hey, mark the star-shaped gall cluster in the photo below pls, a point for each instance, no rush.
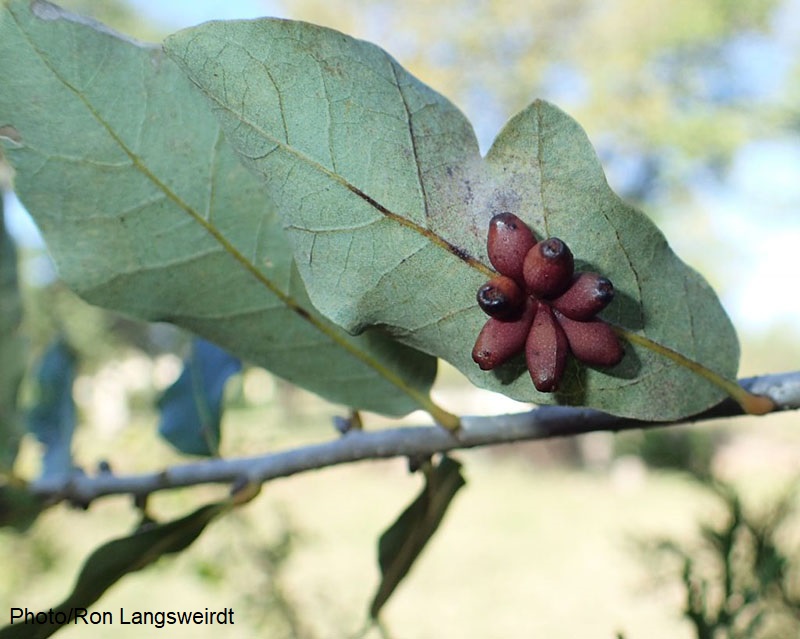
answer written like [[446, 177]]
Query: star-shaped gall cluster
[[540, 305]]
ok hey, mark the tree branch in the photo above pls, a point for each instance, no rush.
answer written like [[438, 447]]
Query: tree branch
[[413, 441]]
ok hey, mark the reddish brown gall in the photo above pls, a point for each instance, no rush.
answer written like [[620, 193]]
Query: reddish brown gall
[[546, 350], [589, 294], [499, 341], [592, 342], [501, 297], [509, 241], [548, 268], [540, 306]]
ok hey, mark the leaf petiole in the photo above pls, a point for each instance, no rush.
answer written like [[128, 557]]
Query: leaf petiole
[[442, 417], [751, 404]]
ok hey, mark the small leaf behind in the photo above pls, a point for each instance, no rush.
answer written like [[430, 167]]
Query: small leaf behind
[[52, 417], [191, 409], [405, 539], [115, 559]]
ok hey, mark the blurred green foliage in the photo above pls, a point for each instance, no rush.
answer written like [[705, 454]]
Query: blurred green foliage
[[742, 581], [684, 448], [656, 76], [660, 79]]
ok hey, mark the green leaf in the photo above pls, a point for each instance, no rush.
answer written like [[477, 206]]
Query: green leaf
[[19, 507], [405, 539], [191, 409], [146, 210], [52, 417], [13, 348], [387, 201], [119, 557]]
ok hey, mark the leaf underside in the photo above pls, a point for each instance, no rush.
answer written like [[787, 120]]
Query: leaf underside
[[401, 544], [146, 209], [191, 409], [386, 202]]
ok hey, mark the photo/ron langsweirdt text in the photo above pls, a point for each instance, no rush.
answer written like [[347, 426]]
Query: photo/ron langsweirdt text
[[124, 617]]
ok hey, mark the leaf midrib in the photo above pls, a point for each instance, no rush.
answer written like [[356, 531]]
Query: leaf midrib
[[303, 158], [385, 211]]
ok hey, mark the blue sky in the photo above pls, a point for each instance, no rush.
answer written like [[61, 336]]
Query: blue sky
[[185, 13]]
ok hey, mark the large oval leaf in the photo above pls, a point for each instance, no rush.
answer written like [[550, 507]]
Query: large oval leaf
[[146, 210], [387, 202]]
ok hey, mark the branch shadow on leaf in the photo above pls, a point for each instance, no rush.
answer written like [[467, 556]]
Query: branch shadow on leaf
[[573, 387], [629, 311], [509, 372], [624, 309]]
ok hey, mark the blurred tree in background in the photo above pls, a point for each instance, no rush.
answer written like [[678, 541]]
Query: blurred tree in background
[[677, 87], [683, 84]]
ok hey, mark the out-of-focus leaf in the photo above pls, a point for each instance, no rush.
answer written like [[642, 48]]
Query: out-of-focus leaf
[[13, 348], [52, 416], [19, 508], [405, 539], [387, 201], [191, 409], [115, 559], [146, 209]]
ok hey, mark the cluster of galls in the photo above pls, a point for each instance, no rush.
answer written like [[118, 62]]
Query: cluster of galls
[[538, 303]]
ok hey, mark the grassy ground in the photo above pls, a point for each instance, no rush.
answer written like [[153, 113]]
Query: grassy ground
[[527, 550]]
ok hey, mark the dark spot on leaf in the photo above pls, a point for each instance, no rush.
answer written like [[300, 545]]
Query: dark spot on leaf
[[302, 312], [468, 197], [461, 254]]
